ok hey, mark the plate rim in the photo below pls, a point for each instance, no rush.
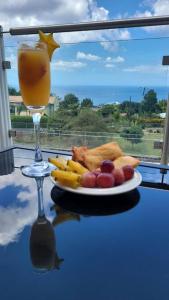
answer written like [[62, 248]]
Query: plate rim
[[135, 182]]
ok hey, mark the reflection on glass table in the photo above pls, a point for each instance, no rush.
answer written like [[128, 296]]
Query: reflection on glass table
[[43, 246], [105, 242], [63, 215], [19, 205], [94, 205], [6, 162]]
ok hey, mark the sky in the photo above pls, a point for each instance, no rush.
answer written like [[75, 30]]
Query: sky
[[127, 57]]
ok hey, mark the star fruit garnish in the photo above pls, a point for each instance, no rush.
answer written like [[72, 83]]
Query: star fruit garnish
[[49, 41]]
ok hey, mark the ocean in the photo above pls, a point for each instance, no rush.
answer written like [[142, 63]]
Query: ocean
[[109, 94]]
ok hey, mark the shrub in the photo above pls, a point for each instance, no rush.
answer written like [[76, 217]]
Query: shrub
[[133, 134], [26, 121], [151, 122]]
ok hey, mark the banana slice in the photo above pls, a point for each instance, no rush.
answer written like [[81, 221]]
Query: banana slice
[[76, 167], [67, 178], [59, 162]]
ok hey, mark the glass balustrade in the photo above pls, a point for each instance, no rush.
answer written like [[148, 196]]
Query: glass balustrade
[[101, 91]]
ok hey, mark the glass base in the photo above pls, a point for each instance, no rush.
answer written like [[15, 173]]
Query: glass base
[[36, 108], [38, 169]]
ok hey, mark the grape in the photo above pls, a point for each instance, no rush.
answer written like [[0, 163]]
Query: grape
[[118, 176], [105, 180], [88, 180], [128, 172], [96, 173], [107, 166]]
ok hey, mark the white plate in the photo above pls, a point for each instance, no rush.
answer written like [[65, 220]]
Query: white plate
[[123, 188]]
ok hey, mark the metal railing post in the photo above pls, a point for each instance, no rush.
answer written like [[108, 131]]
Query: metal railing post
[[97, 25], [5, 120], [165, 150]]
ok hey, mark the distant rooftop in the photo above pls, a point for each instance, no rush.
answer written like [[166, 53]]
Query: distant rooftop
[[18, 99]]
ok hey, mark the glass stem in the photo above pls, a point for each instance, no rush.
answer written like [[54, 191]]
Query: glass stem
[[41, 211], [36, 121]]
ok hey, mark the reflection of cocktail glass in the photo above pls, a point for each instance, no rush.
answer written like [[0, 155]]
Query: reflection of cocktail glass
[[43, 246], [42, 241], [34, 81]]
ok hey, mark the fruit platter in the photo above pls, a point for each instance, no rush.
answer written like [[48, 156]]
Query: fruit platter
[[104, 170]]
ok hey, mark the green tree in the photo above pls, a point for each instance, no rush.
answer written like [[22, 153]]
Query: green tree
[[21, 108], [129, 107], [133, 134], [116, 116], [70, 103], [59, 119], [87, 120], [150, 103], [13, 92], [107, 110], [111, 114], [162, 105], [87, 102]]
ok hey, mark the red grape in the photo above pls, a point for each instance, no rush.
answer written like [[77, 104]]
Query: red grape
[[128, 172], [88, 180], [105, 180], [118, 176], [107, 166], [96, 173]]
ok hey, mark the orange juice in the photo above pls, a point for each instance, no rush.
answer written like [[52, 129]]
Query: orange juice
[[34, 76]]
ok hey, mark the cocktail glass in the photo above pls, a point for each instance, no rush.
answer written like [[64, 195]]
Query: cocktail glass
[[34, 81]]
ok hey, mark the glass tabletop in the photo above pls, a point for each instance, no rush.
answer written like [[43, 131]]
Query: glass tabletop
[[102, 248]]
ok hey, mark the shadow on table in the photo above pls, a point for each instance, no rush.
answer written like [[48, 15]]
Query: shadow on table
[[94, 205]]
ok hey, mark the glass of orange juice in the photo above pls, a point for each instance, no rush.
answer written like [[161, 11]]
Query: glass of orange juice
[[34, 81]]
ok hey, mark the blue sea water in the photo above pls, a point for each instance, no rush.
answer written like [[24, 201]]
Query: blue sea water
[[110, 94]]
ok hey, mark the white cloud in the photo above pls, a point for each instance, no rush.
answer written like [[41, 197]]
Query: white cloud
[[97, 13], [111, 38], [109, 59], [13, 60], [111, 62], [156, 8], [160, 7], [152, 69], [143, 14], [108, 65], [68, 65], [87, 56], [108, 38], [31, 13], [14, 218], [123, 34], [110, 46], [118, 59]]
